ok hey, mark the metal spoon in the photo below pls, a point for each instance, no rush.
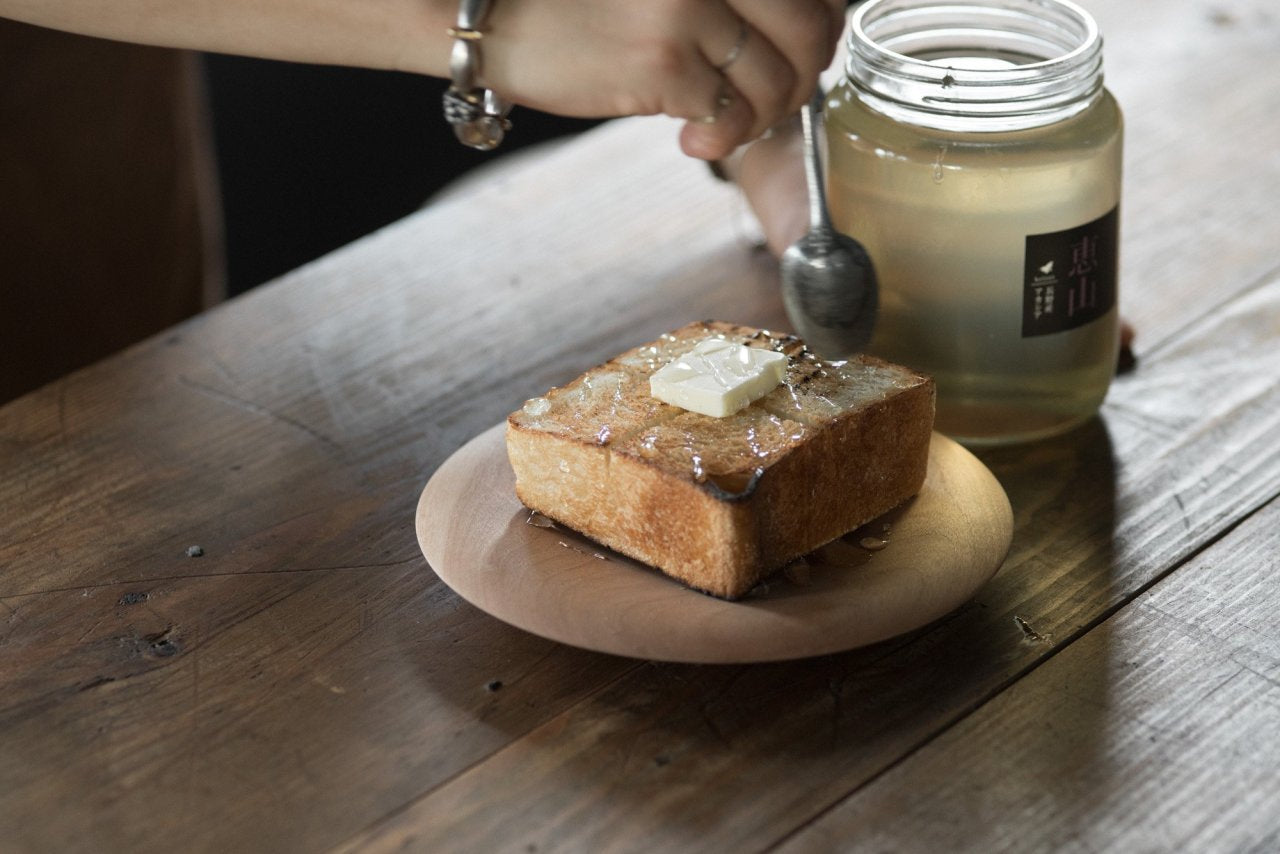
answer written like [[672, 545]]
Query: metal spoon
[[829, 286]]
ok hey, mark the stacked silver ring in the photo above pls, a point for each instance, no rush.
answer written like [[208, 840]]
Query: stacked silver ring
[[724, 95], [478, 115]]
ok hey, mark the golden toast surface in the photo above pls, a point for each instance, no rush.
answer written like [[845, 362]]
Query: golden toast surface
[[719, 502]]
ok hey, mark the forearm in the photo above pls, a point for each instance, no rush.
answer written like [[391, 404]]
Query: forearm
[[407, 35], [731, 68]]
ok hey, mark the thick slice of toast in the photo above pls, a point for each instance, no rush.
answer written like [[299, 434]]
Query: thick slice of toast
[[719, 503]]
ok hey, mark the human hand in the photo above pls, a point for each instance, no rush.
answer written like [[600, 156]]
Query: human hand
[[732, 68]]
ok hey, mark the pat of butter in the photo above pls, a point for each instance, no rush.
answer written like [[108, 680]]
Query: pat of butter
[[718, 377]]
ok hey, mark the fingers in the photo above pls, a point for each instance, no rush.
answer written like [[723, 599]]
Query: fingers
[[800, 33], [753, 85], [718, 134], [731, 68], [766, 79], [770, 57], [839, 12]]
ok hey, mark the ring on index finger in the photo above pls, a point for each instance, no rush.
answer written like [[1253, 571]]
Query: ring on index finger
[[736, 51]]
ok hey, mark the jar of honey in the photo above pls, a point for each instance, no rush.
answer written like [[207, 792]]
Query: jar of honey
[[975, 152]]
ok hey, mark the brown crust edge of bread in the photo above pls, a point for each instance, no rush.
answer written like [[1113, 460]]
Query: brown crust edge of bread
[[725, 544], [633, 508]]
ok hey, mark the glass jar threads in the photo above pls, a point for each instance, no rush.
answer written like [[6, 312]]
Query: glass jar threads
[[976, 154]]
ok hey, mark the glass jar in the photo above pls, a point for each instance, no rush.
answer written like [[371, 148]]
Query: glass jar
[[976, 154]]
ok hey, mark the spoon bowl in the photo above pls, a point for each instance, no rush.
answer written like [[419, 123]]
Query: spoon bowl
[[829, 285]]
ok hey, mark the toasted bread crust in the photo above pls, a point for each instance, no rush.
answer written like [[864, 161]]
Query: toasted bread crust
[[721, 503]]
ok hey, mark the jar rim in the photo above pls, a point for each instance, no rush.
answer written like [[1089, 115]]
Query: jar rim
[[889, 61]]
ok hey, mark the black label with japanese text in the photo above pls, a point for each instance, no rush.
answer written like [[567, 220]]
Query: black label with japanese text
[[1070, 276]]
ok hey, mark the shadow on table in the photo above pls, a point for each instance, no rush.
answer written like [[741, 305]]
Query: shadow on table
[[706, 756]]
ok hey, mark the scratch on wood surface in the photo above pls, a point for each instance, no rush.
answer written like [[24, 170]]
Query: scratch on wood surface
[[1222, 684], [95, 682], [538, 662], [1270, 680], [707, 712], [709, 721], [1182, 512], [328, 684], [259, 409], [287, 633], [223, 368], [1028, 633], [92, 627], [10, 621]]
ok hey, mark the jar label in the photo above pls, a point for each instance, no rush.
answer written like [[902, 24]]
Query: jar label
[[1070, 276]]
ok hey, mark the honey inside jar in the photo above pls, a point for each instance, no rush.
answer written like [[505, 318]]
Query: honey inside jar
[[975, 153]]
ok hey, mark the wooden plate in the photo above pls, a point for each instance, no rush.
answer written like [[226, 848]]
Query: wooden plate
[[941, 547]]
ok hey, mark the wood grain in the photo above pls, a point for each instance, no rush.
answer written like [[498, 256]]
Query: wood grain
[[288, 434], [1200, 168], [268, 697], [778, 745], [306, 683], [1155, 731]]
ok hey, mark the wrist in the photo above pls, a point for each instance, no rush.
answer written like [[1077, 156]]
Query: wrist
[[424, 42]]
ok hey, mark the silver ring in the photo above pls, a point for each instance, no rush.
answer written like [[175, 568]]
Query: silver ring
[[736, 50]]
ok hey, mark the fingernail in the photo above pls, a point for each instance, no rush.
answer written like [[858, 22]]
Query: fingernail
[[696, 140]]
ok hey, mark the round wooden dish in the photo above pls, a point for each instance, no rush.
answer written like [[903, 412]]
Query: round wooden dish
[[941, 547]]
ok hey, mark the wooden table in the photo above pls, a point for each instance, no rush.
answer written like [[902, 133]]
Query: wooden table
[[308, 683]]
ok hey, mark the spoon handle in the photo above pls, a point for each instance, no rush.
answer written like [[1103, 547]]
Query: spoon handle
[[818, 217]]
